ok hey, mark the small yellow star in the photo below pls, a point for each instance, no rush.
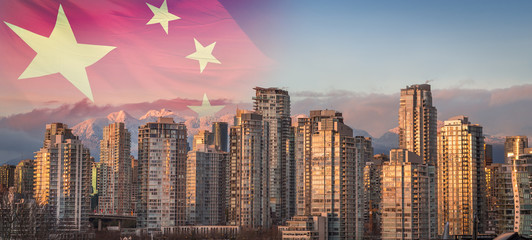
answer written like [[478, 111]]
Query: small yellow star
[[206, 109], [161, 15], [203, 55]]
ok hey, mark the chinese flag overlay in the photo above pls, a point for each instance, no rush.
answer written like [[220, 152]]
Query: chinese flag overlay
[[188, 48]]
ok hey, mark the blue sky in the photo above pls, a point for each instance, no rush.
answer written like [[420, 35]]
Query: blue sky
[[382, 46]]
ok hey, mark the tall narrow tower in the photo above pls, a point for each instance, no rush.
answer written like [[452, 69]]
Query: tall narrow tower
[[62, 177], [418, 133], [115, 171], [274, 106], [161, 172], [248, 203], [461, 177], [333, 175]]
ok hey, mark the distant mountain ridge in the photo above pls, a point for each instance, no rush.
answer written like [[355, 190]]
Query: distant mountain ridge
[[91, 131]]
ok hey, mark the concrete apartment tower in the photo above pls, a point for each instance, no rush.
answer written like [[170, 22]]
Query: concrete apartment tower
[[418, 133], [274, 106], [333, 174], [114, 195], [206, 184], [221, 137], [373, 195], [461, 177], [24, 178], [519, 159], [248, 201], [405, 196], [161, 172], [62, 177], [513, 147], [7, 176]]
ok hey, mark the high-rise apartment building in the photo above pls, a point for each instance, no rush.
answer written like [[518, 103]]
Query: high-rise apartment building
[[418, 133], [134, 187], [302, 150], [162, 168], [221, 137], [513, 147], [364, 154], [203, 137], [7, 175], [24, 178], [373, 196], [522, 194], [499, 198], [62, 177], [274, 106], [405, 196], [418, 122], [248, 200], [461, 173], [206, 185], [333, 175], [114, 194]]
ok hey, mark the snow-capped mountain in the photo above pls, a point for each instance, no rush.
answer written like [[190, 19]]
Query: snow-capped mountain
[[91, 131]]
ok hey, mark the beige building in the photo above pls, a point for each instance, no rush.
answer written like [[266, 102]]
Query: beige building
[[274, 106], [373, 196], [513, 147], [333, 175], [418, 133], [206, 185], [62, 177], [461, 174], [24, 178], [305, 228], [248, 202], [162, 168], [114, 194], [405, 203], [7, 175]]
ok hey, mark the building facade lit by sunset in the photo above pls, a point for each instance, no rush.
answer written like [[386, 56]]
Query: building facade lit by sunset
[[418, 133], [513, 147], [162, 168], [114, 194], [274, 106], [206, 185], [333, 175], [405, 196], [7, 176], [24, 178], [373, 195], [461, 177], [221, 135], [62, 177], [499, 198], [519, 158], [248, 201]]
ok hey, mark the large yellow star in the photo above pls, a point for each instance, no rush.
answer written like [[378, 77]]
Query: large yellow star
[[60, 53], [206, 109], [161, 15], [203, 55]]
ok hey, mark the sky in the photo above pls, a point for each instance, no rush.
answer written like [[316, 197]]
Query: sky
[[352, 56], [382, 46]]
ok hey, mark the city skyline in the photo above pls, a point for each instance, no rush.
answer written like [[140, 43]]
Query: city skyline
[[289, 120], [326, 172]]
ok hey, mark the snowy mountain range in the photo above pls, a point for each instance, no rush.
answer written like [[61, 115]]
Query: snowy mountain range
[[91, 131]]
